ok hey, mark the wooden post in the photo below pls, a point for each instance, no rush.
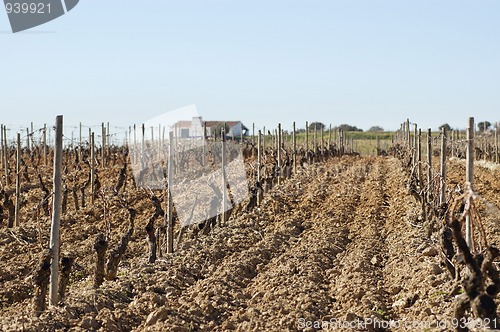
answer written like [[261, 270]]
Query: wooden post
[[315, 141], [415, 143], [241, 135], [7, 155], [497, 158], [28, 139], [163, 143], [253, 133], [92, 168], [294, 138], [18, 180], [143, 146], [429, 159], [259, 165], [45, 144], [279, 152], [170, 225], [1, 146], [275, 140], [80, 144], [224, 185], [322, 139], [108, 139], [407, 132], [341, 142], [378, 145], [264, 139], [419, 158], [56, 213], [103, 149], [330, 137], [470, 179], [135, 144], [31, 136], [204, 142], [159, 142], [307, 139]]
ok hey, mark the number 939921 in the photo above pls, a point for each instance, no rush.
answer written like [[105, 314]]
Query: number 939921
[[27, 8]]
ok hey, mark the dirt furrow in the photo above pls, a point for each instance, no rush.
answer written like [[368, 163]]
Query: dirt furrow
[[357, 281], [221, 291], [293, 286]]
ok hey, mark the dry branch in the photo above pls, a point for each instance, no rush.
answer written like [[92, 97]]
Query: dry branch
[[42, 281], [66, 266], [116, 254], [100, 246]]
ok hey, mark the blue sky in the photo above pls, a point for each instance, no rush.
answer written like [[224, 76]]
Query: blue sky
[[365, 63]]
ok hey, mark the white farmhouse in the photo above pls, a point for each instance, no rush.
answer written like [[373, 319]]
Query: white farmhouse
[[196, 127]]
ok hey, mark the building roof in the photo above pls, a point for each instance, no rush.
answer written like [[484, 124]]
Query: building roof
[[210, 124]]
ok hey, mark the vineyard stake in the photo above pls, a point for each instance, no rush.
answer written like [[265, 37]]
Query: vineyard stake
[[32, 136], [469, 178], [294, 138], [322, 139], [315, 141], [28, 139], [419, 157], [330, 137], [103, 148], [204, 142], [429, 158], [378, 145], [92, 167], [341, 142], [1, 147], [135, 145], [18, 180], [496, 143], [279, 152], [56, 213], [408, 132], [264, 138], [253, 133], [307, 139], [224, 185], [259, 162], [442, 196], [80, 144], [108, 138], [414, 144], [45, 144], [142, 147], [170, 226], [159, 142]]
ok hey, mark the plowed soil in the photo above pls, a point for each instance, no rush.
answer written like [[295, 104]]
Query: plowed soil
[[341, 242]]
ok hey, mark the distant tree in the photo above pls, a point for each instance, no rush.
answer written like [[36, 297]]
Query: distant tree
[[317, 126], [346, 127], [376, 129], [445, 126], [483, 126]]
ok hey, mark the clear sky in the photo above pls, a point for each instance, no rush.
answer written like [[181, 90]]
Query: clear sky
[[365, 63]]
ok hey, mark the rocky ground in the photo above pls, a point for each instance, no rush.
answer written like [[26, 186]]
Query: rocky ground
[[340, 242]]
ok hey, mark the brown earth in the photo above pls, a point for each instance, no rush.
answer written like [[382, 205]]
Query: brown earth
[[340, 242]]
